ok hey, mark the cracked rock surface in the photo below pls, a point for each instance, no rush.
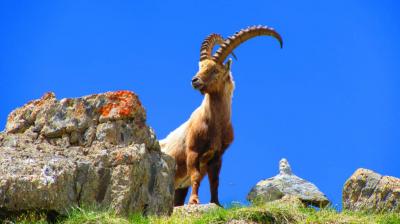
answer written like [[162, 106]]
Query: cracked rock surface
[[93, 150], [370, 191]]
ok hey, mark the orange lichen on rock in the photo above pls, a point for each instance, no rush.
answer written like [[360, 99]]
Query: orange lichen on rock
[[119, 157], [80, 109], [120, 104]]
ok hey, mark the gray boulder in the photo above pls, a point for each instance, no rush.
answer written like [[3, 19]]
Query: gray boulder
[[370, 191], [287, 184], [94, 150]]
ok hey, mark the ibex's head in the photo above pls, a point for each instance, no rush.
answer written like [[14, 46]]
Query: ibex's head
[[213, 74]]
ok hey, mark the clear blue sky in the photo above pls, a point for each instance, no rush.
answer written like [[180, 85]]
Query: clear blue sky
[[328, 101]]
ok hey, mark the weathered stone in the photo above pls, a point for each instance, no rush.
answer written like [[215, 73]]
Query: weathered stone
[[93, 150], [370, 191], [194, 210], [286, 183], [200, 209], [240, 221]]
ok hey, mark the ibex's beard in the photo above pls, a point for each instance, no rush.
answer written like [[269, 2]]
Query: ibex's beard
[[201, 88]]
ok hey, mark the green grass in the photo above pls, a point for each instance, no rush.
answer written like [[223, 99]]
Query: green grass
[[275, 212]]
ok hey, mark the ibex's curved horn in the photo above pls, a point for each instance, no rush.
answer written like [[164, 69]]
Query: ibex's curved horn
[[208, 45], [243, 35]]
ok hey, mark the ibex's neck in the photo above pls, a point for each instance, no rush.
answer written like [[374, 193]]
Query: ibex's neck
[[217, 106]]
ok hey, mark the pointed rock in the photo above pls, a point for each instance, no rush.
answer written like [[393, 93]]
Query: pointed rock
[[286, 183]]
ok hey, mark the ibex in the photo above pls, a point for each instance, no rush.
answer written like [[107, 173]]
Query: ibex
[[198, 144]]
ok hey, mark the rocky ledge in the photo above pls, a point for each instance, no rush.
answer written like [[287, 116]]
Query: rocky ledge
[[94, 150]]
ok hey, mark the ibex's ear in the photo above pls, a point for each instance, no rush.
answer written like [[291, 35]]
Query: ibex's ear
[[228, 64]]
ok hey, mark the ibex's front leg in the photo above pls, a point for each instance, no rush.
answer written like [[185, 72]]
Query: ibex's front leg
[[180, 195], [193, 165], [213, 169]]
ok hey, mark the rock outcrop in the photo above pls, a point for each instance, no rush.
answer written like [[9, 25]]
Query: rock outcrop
[[370, 191], [286, 183], [94, 150]]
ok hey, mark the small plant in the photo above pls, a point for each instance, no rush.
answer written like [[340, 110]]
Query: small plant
[[26, 218], [86, 215]]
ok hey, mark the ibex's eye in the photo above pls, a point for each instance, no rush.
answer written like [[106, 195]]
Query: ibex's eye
[[213, 71], [213, 74]]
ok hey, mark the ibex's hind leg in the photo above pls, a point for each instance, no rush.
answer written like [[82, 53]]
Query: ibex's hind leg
[[180, 195]]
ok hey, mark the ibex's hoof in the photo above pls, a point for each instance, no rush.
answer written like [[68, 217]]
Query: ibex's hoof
[[194, 200], [218, 204]]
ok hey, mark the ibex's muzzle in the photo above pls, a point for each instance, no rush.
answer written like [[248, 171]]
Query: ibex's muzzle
[[197, 83]]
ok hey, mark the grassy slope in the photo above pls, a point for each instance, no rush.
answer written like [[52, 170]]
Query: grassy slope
[[267, 213]]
